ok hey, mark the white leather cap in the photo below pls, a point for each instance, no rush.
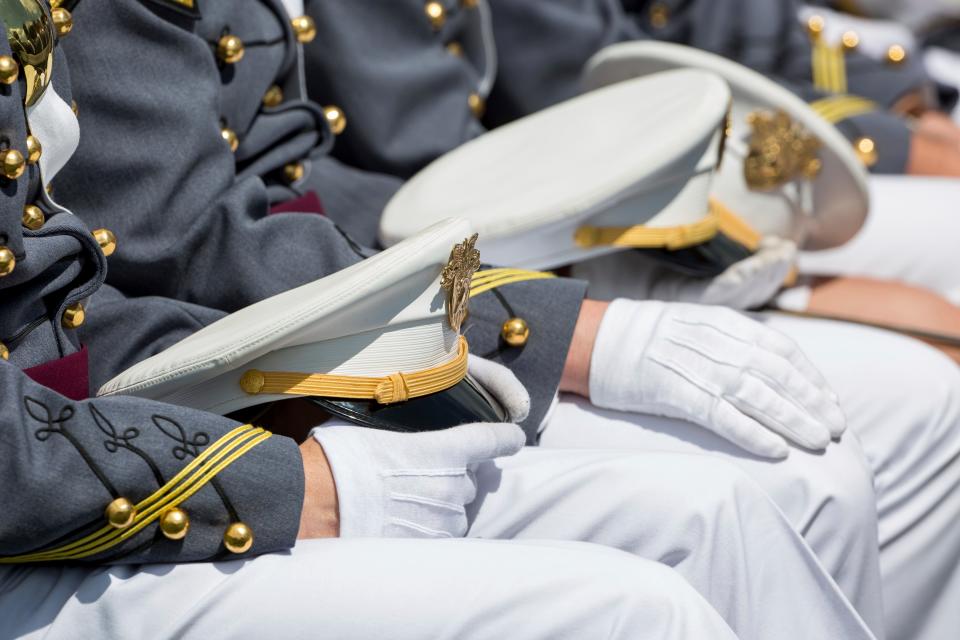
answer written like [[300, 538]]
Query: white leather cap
[[382, 316], [817, 214], [638, 153]]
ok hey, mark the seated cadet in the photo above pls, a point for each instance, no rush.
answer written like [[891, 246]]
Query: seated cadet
[[151, 483], [202, 219], [891, 388]]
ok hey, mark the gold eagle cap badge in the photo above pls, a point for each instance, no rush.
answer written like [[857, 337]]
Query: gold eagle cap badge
[[456, 277], [780, 150]]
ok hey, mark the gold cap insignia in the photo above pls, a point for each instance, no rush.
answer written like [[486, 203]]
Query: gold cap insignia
[[456, 277], [780, 151]]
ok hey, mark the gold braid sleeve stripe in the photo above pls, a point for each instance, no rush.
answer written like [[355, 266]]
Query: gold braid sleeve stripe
[[641, 237], [484, 281], [829, 67], [838, 108], [397, 387], [185, 484]]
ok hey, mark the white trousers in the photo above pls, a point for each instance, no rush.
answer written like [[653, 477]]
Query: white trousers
[[704, 522], [910, 236], [899, 463]]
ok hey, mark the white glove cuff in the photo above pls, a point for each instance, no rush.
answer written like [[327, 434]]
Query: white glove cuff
[[625, 331], [360, 491], [504, 385]]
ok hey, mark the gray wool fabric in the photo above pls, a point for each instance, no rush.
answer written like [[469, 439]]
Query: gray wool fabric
[[62, 460]]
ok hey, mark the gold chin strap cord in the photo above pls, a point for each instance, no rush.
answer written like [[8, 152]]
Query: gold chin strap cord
[[838, 108], [397, 387], [643, 237]]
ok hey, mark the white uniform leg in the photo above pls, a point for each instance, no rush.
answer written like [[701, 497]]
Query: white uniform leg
[[902, 399], [909, 236], [697, 513], [364, 589]]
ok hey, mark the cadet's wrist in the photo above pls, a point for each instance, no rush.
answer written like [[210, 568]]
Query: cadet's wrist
[[576, 369], [320, 516]]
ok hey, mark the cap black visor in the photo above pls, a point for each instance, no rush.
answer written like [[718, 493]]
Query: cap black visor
[[465, 402], [705, 260]]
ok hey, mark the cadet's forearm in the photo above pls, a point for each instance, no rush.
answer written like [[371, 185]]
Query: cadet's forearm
[[320, 517], [576, 370]]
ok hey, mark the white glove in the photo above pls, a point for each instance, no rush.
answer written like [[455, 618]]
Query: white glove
[[404, 485], [712, 366], [502, 385], [748, 284]]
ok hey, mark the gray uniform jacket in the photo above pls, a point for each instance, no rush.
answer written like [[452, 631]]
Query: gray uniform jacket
[[64, 459], [193, 218]]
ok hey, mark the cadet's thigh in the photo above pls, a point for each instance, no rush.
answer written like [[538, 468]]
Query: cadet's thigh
[[827, 497], [695, 512], [909, 236], [902, 398], [383, 588]]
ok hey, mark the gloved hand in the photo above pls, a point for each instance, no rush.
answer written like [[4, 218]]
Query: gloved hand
[[747, 284], [712, 366], [406, 485]]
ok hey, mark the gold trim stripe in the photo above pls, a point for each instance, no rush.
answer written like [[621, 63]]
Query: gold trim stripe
[[839, 108], [829, 67], [735, 227], [641, 237], [490, 279], [397, 387], [185, 484]]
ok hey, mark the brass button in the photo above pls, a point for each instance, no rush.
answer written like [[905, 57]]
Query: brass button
[[866, 150], [304, 28], [49, 189], [436, 14], [34, 150], [477, 105], [251, 381], [238, 538], [106, 240], [9, 70], [850, 40], [33, 217], [174, 524], [815, 26], [7, 261], [13, 164], [896, 54], [73, 316], [336, 118], [230, 49], [454, 48], [293, 172], [62, 21], [273, 97], [659, 15], [230, 137], [120, 513], [4, 352], [74, 107], [515, 332]]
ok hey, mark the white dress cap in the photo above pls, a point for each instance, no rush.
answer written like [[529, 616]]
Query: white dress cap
[[817, 213], [638, 153]]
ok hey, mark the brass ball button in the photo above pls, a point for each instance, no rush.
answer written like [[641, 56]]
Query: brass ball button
[[815, 26], [238, 538], [9, 70], [436, 14], [850, 40], [304, 28], [866, 150], [73, 316], [7, 261], [34, 150], [106, 240], [454, 48], [62, 21], [515, 332], [293, 172], [174, 524], [230, 137], [33, 217], [659, 15], [477, 105], [4, 352], [273, 97], [120, 513], [230, 49], [896, 54], [336, 118], [13, 164]]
